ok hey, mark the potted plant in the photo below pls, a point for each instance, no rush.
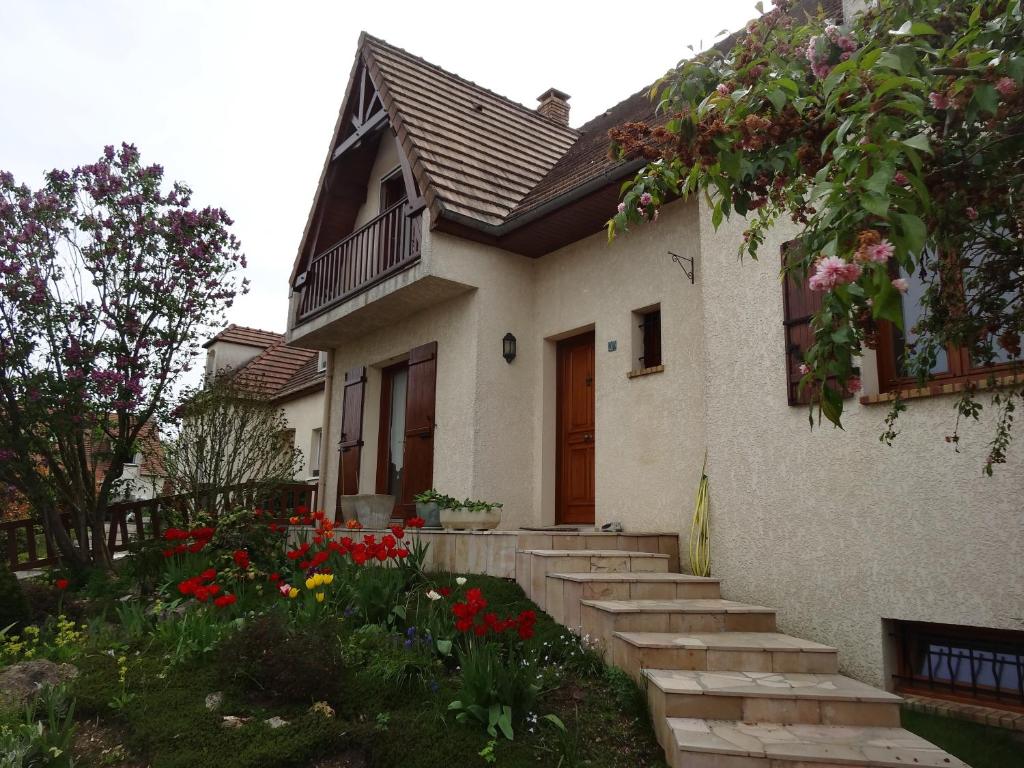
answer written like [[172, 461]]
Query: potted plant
[[373, 510], [472, 515], [429, 505]]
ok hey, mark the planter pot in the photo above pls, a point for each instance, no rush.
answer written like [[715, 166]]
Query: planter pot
[[461, 519], [430, 512], [348, 508], [373, 510]]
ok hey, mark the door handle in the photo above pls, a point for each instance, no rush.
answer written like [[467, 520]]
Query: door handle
[[588, 438]]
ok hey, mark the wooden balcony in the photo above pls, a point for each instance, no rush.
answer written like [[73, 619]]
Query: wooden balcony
[[383, 246]]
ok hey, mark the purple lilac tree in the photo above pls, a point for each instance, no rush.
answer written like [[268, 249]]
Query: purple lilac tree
[[109, 279]]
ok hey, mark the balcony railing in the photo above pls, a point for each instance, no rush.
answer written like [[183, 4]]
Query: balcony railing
[[382, 247]]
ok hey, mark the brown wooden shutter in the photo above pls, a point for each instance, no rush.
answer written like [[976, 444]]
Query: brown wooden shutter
[[419, 425], [799, 303], [351, 443]]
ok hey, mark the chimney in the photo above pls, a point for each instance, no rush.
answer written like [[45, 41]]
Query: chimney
[[554, 105]]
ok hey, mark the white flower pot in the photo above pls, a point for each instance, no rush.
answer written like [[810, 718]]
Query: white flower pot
[[461, 519], [373, 510]]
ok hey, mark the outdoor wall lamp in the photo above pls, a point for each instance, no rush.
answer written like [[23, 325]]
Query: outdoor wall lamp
[[508, 347]]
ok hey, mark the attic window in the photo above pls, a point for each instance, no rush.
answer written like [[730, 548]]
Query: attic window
[[392, 189]]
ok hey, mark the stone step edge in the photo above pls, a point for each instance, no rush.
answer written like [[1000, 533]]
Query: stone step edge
[[677, 605], [633, 576], [589, 553], [629, 637], [871, 696], [811, 750]]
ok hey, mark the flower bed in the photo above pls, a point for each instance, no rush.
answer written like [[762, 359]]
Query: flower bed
[[336, 643]]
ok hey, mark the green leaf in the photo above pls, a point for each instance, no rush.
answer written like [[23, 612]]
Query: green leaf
[[913, 29], [892, 61], [986, 97], [777, 98], [874, 203], [716, 215], [888, 304], [832, 405], [455, 705], [879, 181], [556, 721], [444, 647], [505, 722], [920, 141], [914, 232]]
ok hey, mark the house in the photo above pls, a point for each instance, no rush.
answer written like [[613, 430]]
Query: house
[[292, 378], [483, 337]]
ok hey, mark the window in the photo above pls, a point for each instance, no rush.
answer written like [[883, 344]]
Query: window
[[647, 338], [391, 452], [799, 304], [985, 666], [321, 361], [314, 452], [392, 189], [951, 364]]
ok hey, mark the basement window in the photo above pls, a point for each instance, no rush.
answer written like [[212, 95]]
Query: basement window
[[974, 664], [647, 340]]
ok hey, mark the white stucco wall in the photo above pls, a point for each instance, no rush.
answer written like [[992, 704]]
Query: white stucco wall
[[386, 162], [223, 355], [835, 529], [304, 414]]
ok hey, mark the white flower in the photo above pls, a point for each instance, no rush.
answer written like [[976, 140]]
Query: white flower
[[433, 595], [461, 581]]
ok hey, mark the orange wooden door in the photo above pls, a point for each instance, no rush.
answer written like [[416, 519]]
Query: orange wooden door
[[574, 489]]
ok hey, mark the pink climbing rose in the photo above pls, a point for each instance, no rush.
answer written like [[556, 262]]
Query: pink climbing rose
[[831, 271], [1006, 86], [900, 285], [938, 100], [881, 252]]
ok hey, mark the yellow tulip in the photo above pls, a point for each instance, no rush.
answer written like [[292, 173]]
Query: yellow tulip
[[293, 593], [310, 583], [320, 597], [318, 579], [328, 578]]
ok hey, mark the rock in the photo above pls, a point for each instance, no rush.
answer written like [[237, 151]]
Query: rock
[[214, 700], [233, 721], [20, 682], [276, 722]]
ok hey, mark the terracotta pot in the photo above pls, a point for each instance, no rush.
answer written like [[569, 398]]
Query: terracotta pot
[[461, 519], [430, 512], [373, 510]]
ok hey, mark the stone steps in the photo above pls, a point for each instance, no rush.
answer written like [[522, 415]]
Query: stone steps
[[565, 591], [533, 565], [696, 743], [725, 689], [721, 651], [601, 619], [770, 697]]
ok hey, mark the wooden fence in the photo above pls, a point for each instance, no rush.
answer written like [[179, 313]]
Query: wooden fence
[[27, 547]]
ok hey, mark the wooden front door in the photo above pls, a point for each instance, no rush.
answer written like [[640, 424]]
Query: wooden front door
[[574, 479]]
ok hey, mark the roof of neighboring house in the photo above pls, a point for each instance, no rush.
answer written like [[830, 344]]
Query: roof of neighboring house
[[272, 369], [480, 153], [307, 378], [249, 337]]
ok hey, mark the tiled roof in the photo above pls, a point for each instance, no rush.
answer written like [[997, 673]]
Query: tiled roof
[[273, 369], [308, 377], [479, 154], [250, 337]]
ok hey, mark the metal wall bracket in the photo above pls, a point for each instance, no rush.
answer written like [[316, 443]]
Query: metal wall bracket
[[682, 261]]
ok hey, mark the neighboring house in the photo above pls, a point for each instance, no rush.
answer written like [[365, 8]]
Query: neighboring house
[[485, 339], [143, 477], [291, 377]]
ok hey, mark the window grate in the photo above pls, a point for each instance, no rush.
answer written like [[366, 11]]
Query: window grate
[[961, 662]]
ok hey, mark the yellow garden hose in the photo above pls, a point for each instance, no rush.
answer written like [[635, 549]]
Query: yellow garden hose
[[700, 545]]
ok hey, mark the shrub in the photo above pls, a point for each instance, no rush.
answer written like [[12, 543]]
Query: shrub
[[14, 608], [269, 658]]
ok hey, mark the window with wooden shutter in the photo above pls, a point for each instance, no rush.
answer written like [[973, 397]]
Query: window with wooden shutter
[[351, 443], [419, 426], [799, 305]]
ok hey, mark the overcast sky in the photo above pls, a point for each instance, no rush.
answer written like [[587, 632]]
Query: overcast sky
[[238, 99]]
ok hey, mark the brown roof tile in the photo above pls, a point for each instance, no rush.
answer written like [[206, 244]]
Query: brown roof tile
[[250, 337], [479, 152], [306, 378], [271, 370]]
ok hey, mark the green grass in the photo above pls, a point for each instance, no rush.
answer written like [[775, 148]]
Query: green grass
[[167, 724], [980, 746]]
